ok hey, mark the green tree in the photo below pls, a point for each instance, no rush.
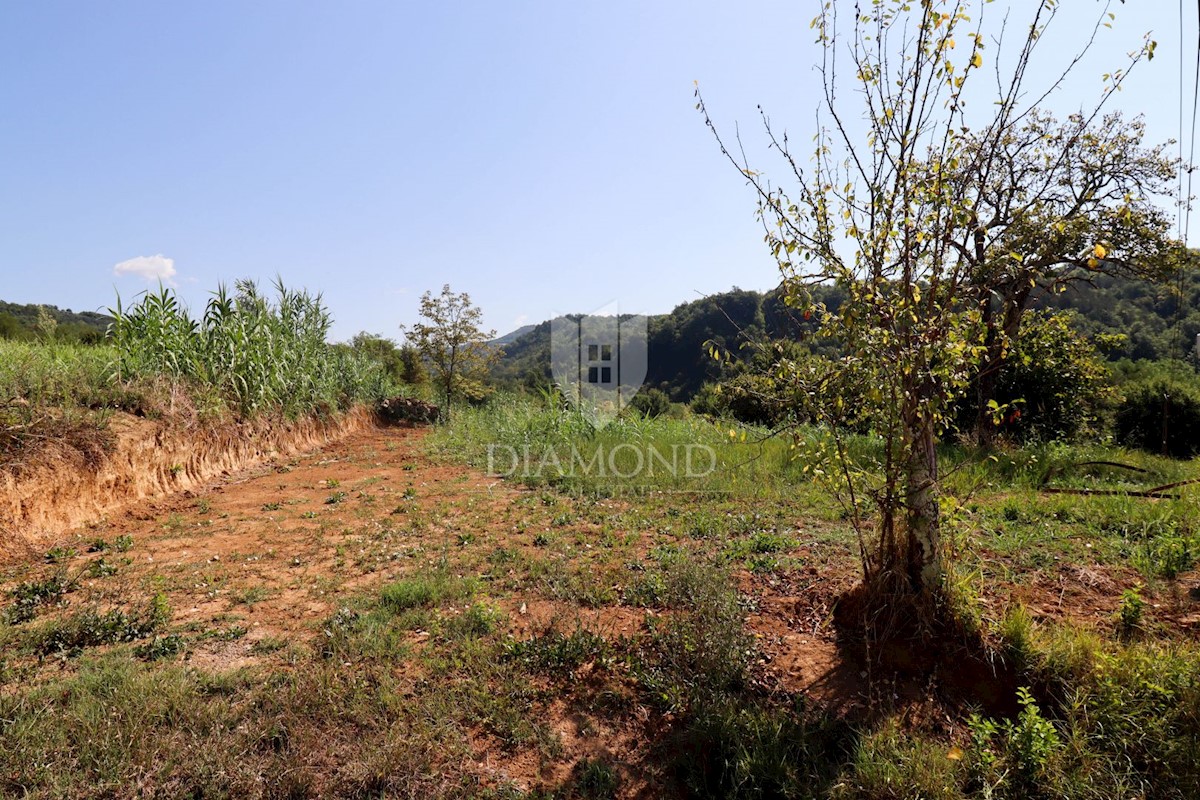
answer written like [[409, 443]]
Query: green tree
[[889, 212], [1054, 204], [401, 363], [450, 340]]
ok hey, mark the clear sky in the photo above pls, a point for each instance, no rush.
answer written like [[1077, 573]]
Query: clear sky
[[543, 156]]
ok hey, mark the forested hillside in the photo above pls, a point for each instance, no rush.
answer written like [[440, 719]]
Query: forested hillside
[[1158, 320], [21, 322], [678, 364], [1154, 323]]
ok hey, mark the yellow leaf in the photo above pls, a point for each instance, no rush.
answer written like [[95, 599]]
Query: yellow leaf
[[1092, 263], [955, 753], [977, 60], [1099, 252]]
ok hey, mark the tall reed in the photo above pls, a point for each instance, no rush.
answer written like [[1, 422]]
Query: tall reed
[[259, 354]]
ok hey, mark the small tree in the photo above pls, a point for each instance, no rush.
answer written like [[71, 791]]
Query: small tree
[[890, 214], [452, 343]]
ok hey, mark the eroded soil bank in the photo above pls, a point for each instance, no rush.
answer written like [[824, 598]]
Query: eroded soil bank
[[152, 457]]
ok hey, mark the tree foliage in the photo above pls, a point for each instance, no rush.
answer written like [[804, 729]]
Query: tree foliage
[[402, 363], [451, 342], [930, 221], [1053, 386]]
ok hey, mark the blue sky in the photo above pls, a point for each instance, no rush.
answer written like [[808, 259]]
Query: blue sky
[[543, 156]]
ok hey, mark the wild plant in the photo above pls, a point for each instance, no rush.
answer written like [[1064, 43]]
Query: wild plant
[[257, 353]]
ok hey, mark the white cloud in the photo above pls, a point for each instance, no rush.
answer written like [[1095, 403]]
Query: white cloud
[[151, 268]]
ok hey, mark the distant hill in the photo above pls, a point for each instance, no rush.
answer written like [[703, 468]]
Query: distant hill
[[679, 364], [1156, 320], [19, 321], [512, 336]]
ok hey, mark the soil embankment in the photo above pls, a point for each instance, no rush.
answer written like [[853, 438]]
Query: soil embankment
[[152, 457]]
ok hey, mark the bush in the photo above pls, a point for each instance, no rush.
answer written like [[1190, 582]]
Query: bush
[[1053, 386], [651, 402], [750, 398], [1162, 416]]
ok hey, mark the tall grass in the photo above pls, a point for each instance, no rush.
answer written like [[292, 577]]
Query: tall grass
[[40, 374], [247, 354], [555, 445], [256, 353]]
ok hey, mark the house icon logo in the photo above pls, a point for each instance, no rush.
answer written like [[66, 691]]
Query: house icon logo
[[599, 360]]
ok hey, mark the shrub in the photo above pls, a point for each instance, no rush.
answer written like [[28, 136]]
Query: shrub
[[651, 402], [1162, 416], [1052, 386]]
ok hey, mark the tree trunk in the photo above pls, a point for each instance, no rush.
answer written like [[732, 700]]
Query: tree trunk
[[1001, 333], [985, 387], [922, 514]]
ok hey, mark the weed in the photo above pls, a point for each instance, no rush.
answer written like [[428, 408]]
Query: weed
[[702, 652], [57, 555], [268, 645], [252, 595], [160, 647], [552, 652], [1016, 632], [90, 628], [229, 634], [100, 568], [1032, 740], [479, 619], [422, 591], [1129, 615], [594, 780], [28, 596]]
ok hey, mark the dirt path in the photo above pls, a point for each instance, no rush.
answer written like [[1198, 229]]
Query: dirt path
[[277, 547], [257, 567], [275, 550]]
